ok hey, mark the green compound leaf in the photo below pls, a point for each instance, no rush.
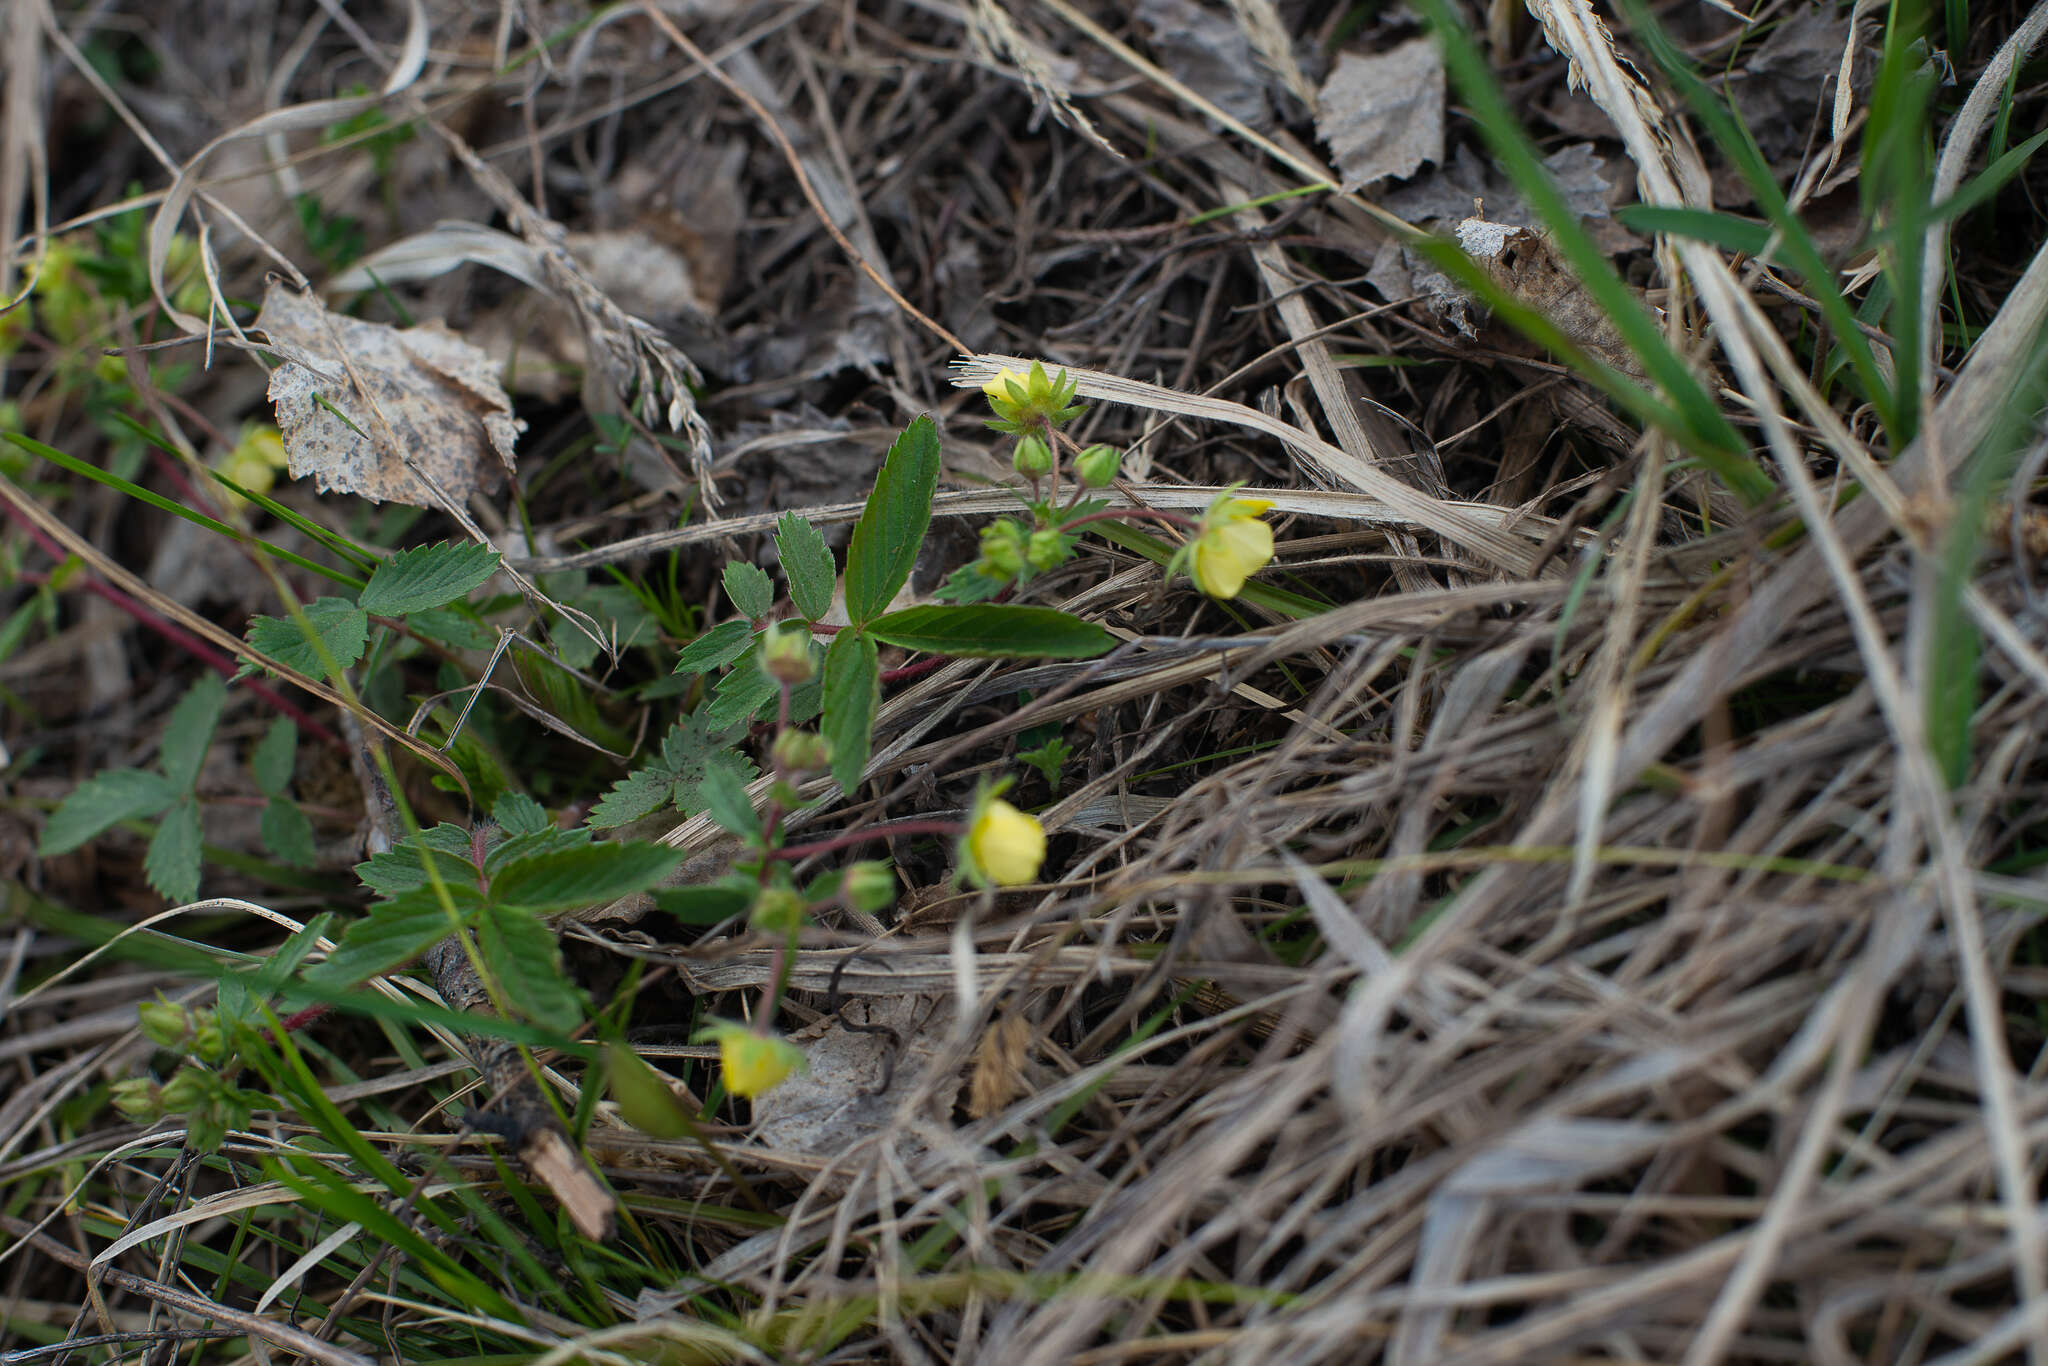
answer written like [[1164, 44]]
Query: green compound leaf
[[741, 694], [392, 934], [403, 869], [892, 525], [725, 797], [750, 588], [189, 730], [427, 576], [526, 959], [119, 794], [343, 628], [994, 630], [708, 904], [716, 648], [689, 750], [853, 686], [274, 757], [452, 628], [808, 564], [287, 833], [172, 864], [531, 843], [518, 814], [640, 793], [567, 878], [968, 584]]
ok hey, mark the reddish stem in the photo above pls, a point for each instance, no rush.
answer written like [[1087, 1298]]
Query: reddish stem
[[183, 639], [917, 670], [299, 1019]]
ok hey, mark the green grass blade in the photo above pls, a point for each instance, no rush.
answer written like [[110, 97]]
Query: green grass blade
[[1795, 244], [1723, 230], [1896, 184], [1705, 430], [158, 501], [341, 546]]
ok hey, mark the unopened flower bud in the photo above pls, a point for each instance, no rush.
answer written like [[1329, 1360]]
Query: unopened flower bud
[[786, 655], [870, 886], [1097, 466], [186, 1091], [209, 1041], [1003, 548], [777, 910], [165, 1023], [1032, 458], [1044, 550], [800, 751], [138, 1099]]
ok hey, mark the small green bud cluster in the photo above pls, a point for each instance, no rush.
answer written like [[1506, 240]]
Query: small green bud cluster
[[182, 1029], [202, 1090]]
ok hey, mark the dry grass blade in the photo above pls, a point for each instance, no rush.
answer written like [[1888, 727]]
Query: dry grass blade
[[1264, 25], [24, 169], [197, 1306], [163, 226], [1333, 462], [1335, 504], [999, 40], [634, 354]]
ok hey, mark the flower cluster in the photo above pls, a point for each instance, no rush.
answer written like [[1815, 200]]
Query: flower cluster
[[1229, 544]]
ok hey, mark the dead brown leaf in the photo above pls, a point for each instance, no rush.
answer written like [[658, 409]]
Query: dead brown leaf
[[1383, 115], [1211, 54], [1526, 263], [440, 396]]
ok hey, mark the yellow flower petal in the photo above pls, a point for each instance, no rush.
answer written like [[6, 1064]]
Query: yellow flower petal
[[1004, 845], [755, 1064], [1228, 551], [999, 387]]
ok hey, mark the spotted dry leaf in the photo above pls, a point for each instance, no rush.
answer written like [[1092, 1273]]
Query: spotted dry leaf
[[440, 395]]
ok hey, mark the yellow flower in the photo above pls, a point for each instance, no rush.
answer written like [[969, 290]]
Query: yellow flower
[[1232, 545], [754, 1063], [256, 459], [1026, 402], [1002, 845], [999, 387]]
